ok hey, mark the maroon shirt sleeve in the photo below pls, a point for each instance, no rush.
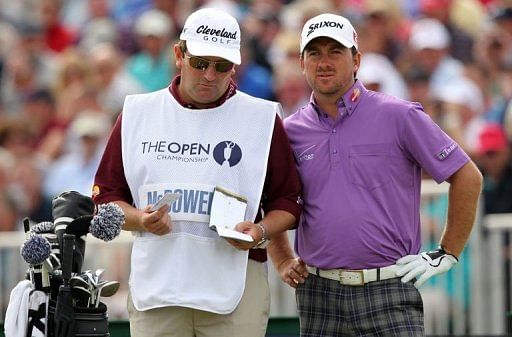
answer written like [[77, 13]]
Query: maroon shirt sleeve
[[110, 182], [282, 184]]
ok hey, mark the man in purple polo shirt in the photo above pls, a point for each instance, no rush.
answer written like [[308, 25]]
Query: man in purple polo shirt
[[360, 154]]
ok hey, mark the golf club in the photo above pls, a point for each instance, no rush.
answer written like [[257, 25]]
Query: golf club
[[106, 290]]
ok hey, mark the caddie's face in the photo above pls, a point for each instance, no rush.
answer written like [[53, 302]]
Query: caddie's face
[[201, 87], [329, 67]]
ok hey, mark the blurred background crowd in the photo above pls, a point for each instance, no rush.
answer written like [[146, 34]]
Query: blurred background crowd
[[66, 66]]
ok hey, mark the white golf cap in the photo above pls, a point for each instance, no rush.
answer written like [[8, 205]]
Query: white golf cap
[[333, 26], [429, 34], [90, 123], [212, 32], [154, 23]]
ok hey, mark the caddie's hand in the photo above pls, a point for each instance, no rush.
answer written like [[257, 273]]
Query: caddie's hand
[[249, 228], [157, 222], [424, 265], [292, 271]]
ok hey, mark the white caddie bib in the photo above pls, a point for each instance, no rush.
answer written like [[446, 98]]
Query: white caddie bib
[[167, 147]]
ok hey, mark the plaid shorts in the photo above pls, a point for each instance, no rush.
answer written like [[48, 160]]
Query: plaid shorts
[[382, 308]]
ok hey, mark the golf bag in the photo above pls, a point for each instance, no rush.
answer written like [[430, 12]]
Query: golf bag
[[58, 299]]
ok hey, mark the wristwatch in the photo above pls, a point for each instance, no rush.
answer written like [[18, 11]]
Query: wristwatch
[[263, 243]]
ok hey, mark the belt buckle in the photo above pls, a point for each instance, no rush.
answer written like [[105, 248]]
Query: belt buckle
[[358, 280]]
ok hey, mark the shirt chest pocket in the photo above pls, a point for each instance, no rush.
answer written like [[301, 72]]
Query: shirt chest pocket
[[370, 165]]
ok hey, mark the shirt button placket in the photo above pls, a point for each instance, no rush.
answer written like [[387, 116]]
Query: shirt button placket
[[334, 153]]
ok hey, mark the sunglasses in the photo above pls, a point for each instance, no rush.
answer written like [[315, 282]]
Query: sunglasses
[[200, 63]]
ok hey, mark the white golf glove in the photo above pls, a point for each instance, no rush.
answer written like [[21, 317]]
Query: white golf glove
[[424, 265]]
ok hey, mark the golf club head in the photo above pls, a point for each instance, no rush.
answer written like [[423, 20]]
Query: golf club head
[[52, 263], [101, 283], [97, 274], [89, 277], [108, 289], [77, 281]]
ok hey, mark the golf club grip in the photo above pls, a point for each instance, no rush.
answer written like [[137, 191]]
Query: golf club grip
[[67, 262], [26, 224]]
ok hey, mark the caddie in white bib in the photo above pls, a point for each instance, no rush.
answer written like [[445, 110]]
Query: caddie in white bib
[[167, 147]]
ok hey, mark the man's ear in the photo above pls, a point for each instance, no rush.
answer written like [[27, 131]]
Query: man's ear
[[178, 56], [357, 62]]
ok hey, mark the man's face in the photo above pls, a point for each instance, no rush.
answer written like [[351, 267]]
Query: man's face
[[197, 86], [329, 67], [429, 59]]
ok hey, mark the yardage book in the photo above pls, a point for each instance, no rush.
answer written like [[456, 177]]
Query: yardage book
[[227, 210]]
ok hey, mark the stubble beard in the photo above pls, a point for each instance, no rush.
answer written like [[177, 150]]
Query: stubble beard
[[331, 89]]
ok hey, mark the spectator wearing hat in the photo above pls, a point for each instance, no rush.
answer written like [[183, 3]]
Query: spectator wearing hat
[[291, 88], [175, 10], [19, 79], [261, 27], [111, 78], [418, 86], [98, 31], [460, 111], [152, 66], [495, 161], [503, 19], [429, 42], [77, 14], [75, 169], [39, 107], [57, 35], [461, 46], [379, 74], [503, 16], [26, 181], [492, 64], [381, 30], [253, 78]]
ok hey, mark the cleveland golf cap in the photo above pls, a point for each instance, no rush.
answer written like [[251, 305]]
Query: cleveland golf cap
[[212, 32], [333, 26]]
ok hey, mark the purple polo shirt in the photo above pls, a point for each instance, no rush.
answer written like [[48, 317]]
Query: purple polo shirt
[[361, 178]]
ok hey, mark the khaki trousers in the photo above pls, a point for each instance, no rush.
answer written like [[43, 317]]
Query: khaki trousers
[[249, 319]]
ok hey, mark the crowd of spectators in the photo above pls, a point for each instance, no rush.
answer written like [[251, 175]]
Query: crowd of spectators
[[66, 66]]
